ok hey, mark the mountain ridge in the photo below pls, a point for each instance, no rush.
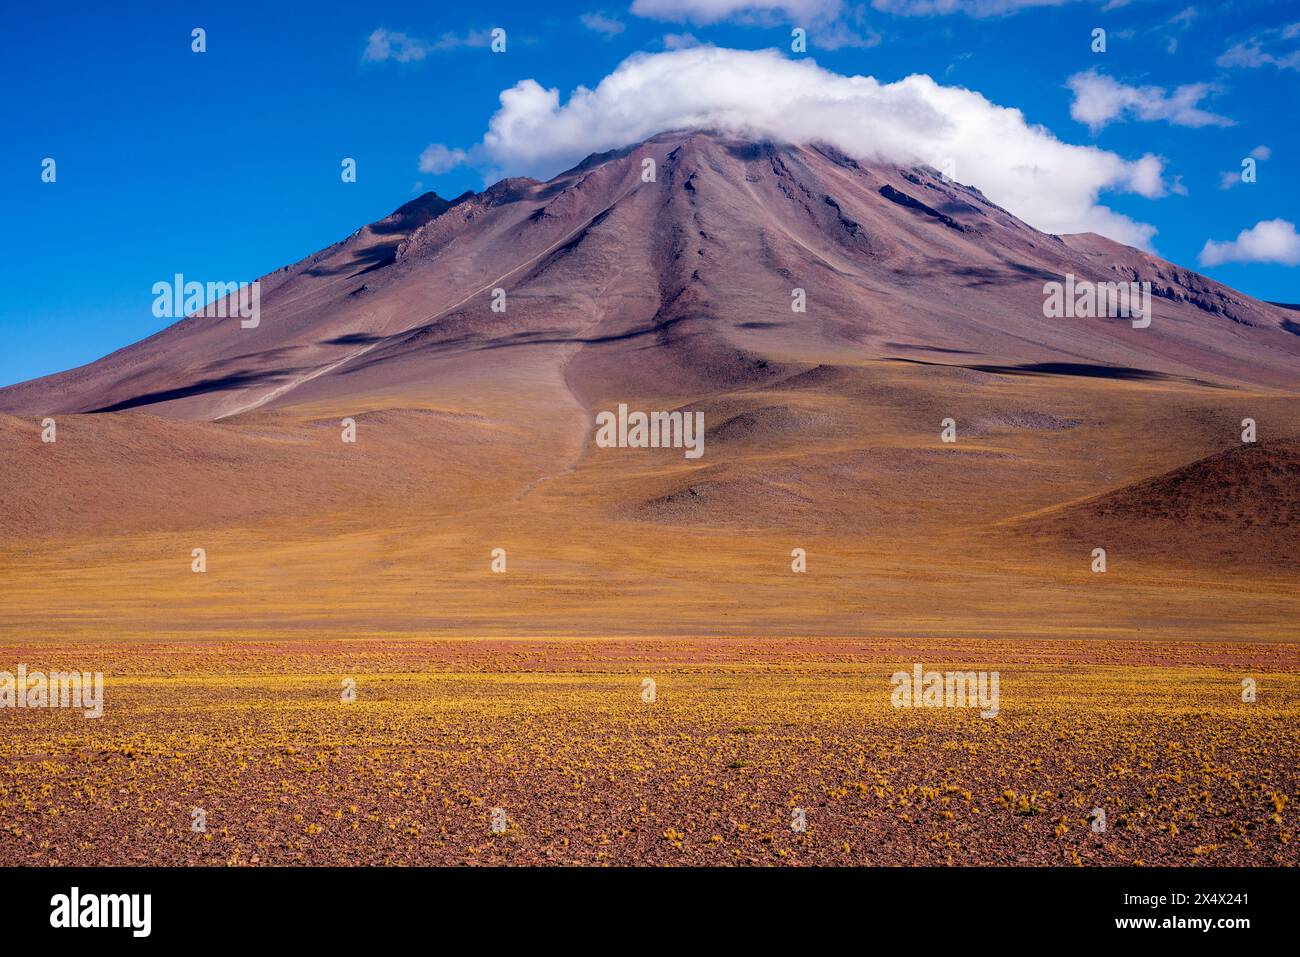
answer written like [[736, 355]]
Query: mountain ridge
[[706, 253]]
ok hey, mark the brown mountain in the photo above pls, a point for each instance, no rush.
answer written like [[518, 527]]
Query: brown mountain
[[1241, 505], [679, 286]]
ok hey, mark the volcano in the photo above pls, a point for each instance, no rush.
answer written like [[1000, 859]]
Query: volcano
[[680, 285], [826, 315]]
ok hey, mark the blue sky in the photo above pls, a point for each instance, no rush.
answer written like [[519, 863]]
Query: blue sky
[[226, 164]]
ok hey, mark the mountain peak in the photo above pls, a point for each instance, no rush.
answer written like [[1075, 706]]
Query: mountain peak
[[415, 213], [678, 277]]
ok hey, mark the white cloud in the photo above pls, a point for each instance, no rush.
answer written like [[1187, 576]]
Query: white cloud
[[849, 31], [972, 8], [470, 38], [1019, 165], [714, 11], [1265, 48], [1146, 177], [1249, 54], [1268, 241], [1179, 22], [679, 41], [1100, 99], [1233, 177], [599, 23], [394, 45], [384, 44], [831, 24], [437, 158]]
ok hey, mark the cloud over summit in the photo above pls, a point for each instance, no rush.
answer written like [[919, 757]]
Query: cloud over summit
[[1019, 165]]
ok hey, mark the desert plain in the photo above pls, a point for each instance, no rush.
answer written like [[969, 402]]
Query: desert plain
[[433, 645]]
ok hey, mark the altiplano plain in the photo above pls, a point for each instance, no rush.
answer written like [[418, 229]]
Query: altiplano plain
[[371, 562]]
